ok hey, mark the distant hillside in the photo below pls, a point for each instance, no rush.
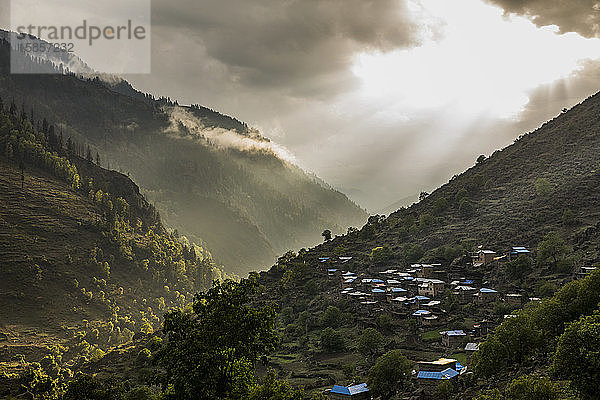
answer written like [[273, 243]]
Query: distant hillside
[[210, 175], [86, 261]]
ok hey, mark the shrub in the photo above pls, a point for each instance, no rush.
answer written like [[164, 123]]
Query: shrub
[[332, 340]]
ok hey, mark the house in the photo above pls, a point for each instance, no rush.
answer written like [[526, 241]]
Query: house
[[464, 293], [331, 272], [393, 282], [424, 270], [421, 313], [378, 294], [585, 271], [354, 392], [514, 298], [483, 257], [515, 252], [429, 319], [438, 365], [344, 260], [486, 295], [431, 288], [430, 380], [482, 328], [453, 338], [471, 347]]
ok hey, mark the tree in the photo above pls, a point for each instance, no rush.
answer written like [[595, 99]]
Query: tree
[[97, 159], [444, 390], [380, 254], [520, 267], [543, 187], [211, 353], [332, 340], [532, 388], [326, 235], [568, 218], [481, 159], [423, 196], [552, 249], [440, 205], [390, 375], [274, 389], [88, 154], [465, 207], [331, 317], [576, 357], [370, 342]]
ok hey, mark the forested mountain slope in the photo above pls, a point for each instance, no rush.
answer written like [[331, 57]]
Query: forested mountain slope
[[210, 175], [548, 180], [86, 262], [540, 192]]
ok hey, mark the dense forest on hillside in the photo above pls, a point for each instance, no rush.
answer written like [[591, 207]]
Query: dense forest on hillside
[[211, 175], [86, 262]]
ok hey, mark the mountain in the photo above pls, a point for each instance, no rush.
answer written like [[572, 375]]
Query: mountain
[[216, 179], [540, 192], [87, 263]]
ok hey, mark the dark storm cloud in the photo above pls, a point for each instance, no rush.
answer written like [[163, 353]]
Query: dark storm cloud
[[303, 47], [581, 16]]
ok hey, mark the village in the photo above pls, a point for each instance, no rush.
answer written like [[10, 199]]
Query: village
[[417, 293]]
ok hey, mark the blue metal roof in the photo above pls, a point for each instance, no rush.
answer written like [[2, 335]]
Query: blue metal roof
[[421, 312], [350, 390], [459, 366], [448, 373], [378, 291], [331, 270], [455, 333], [422, 298], [468, 281], [377, 281], [485, 290], [397, 289]]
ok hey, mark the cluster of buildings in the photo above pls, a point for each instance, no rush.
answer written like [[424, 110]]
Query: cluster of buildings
[[416, 290]]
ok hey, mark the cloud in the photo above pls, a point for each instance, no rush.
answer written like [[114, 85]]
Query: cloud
[[581, 16], [184, 125], [303, 47]]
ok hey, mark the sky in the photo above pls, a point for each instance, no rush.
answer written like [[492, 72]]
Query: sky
[[381, 98]]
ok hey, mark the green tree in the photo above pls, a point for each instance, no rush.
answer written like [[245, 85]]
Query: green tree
[[274, 389], [517, 269], [465, 207], [444, 391], [331, 317], [390, 375], [380, 254], [326, 235], [568, 218], [370, 342], [576, 357], [532, 388], [543, 187], [552, 249], [440, 205], [211, 353], [332, 340]]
